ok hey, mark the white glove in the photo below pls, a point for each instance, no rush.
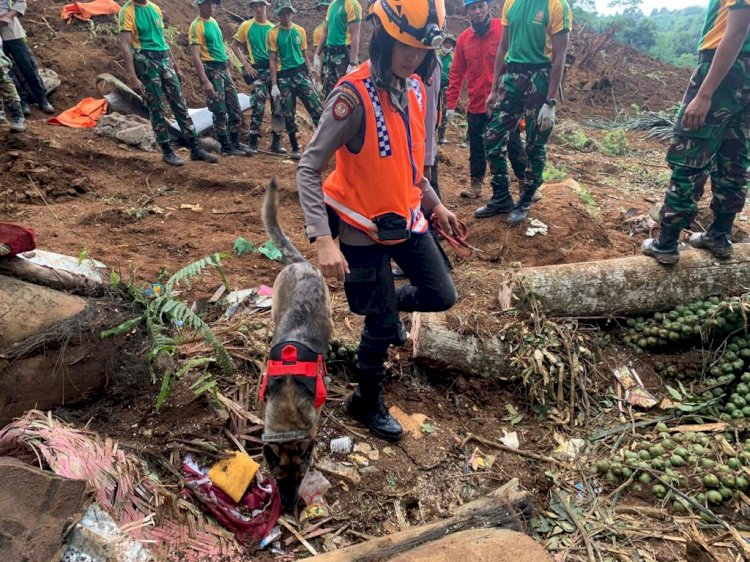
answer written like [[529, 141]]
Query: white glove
[[450, 114], [351, 68], [276, 93], [317, 63], [546, 117]]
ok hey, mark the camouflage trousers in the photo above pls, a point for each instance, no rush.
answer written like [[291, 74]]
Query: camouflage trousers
[[294, 84], [261, 92], [225, 103], [159, 81], [335, 63], [8, 92], [719, 149], [523, 94]]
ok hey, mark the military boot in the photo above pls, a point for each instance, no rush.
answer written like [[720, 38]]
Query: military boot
[[252, 142], [16, 117], [227, 148], [476, 189], [441, 136], [718, 239], [234, 139], [169, 155], [663, 249], [367, 407], [26, 108], [197, 152], [500, 202], [276, 147], [521, 211], [295, 154], [45, 105]]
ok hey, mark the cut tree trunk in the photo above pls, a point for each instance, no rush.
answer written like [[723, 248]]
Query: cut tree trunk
[[53, 278], [437, 346], [633, 285], [50, 349], [508, 507]]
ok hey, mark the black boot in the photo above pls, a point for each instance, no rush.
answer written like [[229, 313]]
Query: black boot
[[500, 202], [227, 148], [663, 249], [197, 152], [718, 239], [276, 147], [16, 117], [521, 211], [234, 139], [252, 142], [169, 155], [367, 407], [26, 108], [45, 105], [295, 154]]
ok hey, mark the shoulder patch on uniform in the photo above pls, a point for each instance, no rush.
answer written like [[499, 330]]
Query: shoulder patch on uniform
[[345, 103]]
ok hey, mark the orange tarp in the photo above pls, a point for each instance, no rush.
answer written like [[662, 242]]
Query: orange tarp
[[84, 11], [85, 114]]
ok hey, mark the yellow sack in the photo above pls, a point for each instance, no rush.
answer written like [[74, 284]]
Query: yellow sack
[[234, 474]]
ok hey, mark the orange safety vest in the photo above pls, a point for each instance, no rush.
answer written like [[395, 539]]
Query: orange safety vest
[[382, 178]]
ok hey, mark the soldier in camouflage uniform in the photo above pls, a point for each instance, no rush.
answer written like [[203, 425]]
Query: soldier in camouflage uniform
[[256, 71], [528, 75], [153, 74], [9, 95], [212, 65], [711, 137], [338, 51], [287, 44]]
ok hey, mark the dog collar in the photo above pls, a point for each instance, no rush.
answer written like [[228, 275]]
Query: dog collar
[[289, 365]]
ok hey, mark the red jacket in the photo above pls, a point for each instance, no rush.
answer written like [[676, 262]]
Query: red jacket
[[475, 62]]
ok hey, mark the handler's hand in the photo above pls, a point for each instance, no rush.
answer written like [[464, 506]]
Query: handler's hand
[[696, 112], [489, 104], [446, 219], [330, 259]]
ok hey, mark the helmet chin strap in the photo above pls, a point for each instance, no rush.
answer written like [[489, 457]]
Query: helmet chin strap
[[430, 35]]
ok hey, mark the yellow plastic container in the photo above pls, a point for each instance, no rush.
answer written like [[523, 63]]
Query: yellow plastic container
[[234, 474]]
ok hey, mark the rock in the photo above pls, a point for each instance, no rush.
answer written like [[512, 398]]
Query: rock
[[134, 136], [130, 129], [37, 508], [97, 538], [479, 545], [338, 470]]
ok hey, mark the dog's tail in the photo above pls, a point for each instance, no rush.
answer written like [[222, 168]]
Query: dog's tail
[[271, 221]]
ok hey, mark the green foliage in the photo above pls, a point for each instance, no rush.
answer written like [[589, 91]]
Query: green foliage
[[588, 199], [615, 143], [171, 33], [554, 174], [166, 310], [242, 247]]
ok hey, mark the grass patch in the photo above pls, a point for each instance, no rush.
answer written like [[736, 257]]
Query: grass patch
[[615, 143], [554, 174], [587, 198]]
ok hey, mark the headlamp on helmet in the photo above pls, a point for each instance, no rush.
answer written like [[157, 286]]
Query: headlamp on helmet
[[430, 35]]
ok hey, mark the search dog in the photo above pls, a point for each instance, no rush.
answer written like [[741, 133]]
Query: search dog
[[293, 387]]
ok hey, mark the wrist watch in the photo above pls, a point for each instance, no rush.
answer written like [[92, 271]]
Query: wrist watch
[[552, 102]]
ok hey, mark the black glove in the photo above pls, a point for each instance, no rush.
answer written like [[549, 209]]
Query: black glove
[[246, 77]]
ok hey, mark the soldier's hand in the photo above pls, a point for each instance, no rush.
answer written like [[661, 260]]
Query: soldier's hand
[[696, 112], [137, 86], [209, 89], [317, 64], [246, 76], [275, 92], [489, 105], [351, 68]]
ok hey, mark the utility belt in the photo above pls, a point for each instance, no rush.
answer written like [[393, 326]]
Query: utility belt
[[215, 65], [289, 72], [153, 55], [522, 67], [708, 56]]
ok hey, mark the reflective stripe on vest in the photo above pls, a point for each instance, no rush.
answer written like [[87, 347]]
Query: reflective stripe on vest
[[384, 140]]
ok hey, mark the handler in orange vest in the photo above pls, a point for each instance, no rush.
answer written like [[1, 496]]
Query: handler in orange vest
[[374, 123]]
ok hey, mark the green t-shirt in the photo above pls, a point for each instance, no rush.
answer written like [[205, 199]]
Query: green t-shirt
[[207, 34], [531, 24], [146, 25], [289, 44], [445, 67], [340, 14], [255, 37], [716, 24]]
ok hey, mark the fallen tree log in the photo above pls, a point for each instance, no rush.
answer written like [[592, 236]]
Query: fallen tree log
[[437, 346], [633, 285], [50, 350], [53, 278], [508, 508]]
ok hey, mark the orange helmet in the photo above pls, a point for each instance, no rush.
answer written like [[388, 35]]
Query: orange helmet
[[417, 23]]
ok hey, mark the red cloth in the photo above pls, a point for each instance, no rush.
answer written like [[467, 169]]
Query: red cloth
[[84, 11], [84, 115], [474, 61], [15, 239], [251, 519]]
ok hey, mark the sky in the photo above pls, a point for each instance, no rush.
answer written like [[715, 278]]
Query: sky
[[648, 5]]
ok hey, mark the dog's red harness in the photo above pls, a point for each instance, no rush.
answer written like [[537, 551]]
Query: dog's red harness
[[290, 366]]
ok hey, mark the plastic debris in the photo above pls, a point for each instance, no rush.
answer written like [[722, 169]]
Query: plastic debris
[[270, 537], [242, 247], [537, 227], [568, 449], [234, 474], [479, 460], [341, 445], [312, 491], [510, 439], [271, 251], [635, 393], [250, 301]]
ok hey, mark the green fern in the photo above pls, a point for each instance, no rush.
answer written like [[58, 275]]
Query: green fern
[[196, 268], [205, 383]]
